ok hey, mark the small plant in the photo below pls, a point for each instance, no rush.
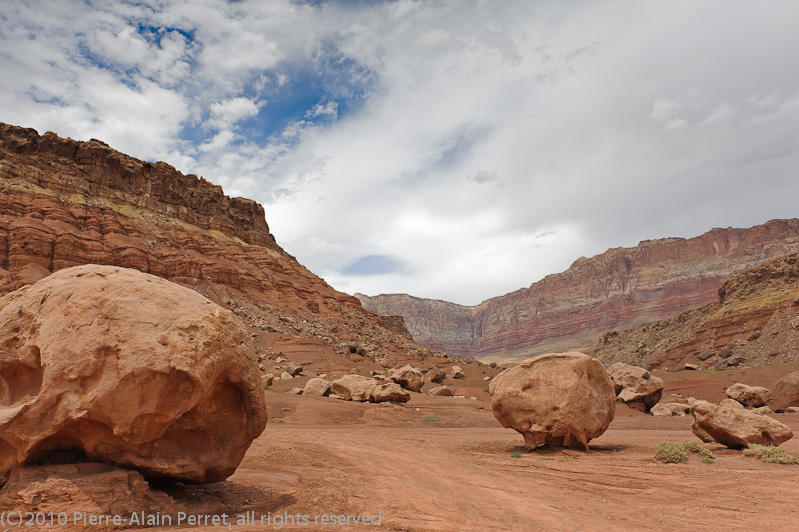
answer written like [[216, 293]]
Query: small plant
[[278, 420], [516, 454], [385, 404], [285, 409], [670, 452], [770, 454], [270, 388], [426, 419]]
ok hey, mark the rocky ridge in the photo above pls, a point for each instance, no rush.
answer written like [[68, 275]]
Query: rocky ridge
[[65, 203], [619, 288], [754, 320]]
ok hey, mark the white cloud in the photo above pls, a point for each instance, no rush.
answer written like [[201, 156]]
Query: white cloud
[[446, 136]]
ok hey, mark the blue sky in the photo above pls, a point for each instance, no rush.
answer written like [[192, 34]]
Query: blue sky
[[453, 150]]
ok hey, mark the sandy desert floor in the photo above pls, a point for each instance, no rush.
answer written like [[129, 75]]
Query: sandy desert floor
[[445, 464]]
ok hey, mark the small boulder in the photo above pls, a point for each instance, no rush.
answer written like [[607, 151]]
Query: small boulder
[[737, 427], [690, 367], [555, 399], [286, 376], [293, 369], [441, 391], [295, 391], [267, 379], [753, 396], [661, 410], [317, 387], [407, 377], [635, 386], [670, 409], [492, 365], [785, 393], [730, 403], [792, 410], [436, 375], [389, 391], [457, 373], [353, 387]]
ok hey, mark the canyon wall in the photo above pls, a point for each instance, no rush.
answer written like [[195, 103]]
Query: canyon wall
[[619, 288], [64, 203]]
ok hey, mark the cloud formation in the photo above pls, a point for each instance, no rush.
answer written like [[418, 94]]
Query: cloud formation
[[454, 150]]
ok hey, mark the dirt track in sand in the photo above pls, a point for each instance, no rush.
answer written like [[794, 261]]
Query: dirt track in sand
[[445, 464]]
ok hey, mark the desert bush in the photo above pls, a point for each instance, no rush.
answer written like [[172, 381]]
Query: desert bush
[[670, 452], [770, 454]]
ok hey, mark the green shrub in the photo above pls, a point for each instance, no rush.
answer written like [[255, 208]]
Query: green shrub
[[770, 454], [694, 447], [426, 419], [670, 452], [385, 404], [278, 420], [516, 454]]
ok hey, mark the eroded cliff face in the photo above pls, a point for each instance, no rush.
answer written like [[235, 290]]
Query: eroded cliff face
[[619, 288], [753, 320], [64, 203]]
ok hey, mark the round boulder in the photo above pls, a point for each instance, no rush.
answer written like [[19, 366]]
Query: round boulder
[[635, 386], [753, 396], [555, 399], [785, 393], [407, 377], [128, 369]]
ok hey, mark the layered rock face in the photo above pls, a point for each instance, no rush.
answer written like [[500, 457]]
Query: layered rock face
[[129, 369], [619, 288], [64, 203], [753, 320]]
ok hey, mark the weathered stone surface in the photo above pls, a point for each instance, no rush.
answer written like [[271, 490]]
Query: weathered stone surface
[[353, 387], [556, 399], [737, 427], [407, 377], [636, 386], [730, 403], [436, 375], [441, 391], [456, 372], [87, 488], [293, 369], [785, 393], [670, 409], [317, 387], [754, 396], [389, 391], [130, 369], [654, 280]]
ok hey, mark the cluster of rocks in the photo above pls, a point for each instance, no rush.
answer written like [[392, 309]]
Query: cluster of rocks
[[735, 426], [392, 385]]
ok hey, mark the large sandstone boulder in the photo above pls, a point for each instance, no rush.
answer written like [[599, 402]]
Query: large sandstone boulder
[[635, 386], [436, 375], [353, 387], [754, 396], [556, 399], [785, 393], [407, 377], [128, 369], [317, 387], [389, 391], [670, 409], [441, 391], [456, 372], [737, 427]]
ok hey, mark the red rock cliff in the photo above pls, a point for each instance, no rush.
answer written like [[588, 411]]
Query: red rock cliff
[[618, 288], [64, 203]]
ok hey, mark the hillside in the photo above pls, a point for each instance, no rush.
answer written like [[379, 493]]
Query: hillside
[[64, 203], [619, 288], [754, 320]]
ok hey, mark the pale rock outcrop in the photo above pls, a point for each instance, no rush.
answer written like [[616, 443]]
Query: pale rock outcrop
[[754, 396], [317, 387], [785, 393], [353, 387], [131, 370], [407, 377], [556, 399], [636, 386], [441, 391], [389, 391], [457, 373], [737, 427], [730, 403], [670, 409]]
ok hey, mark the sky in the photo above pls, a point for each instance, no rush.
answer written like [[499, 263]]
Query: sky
[[454, 150]]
